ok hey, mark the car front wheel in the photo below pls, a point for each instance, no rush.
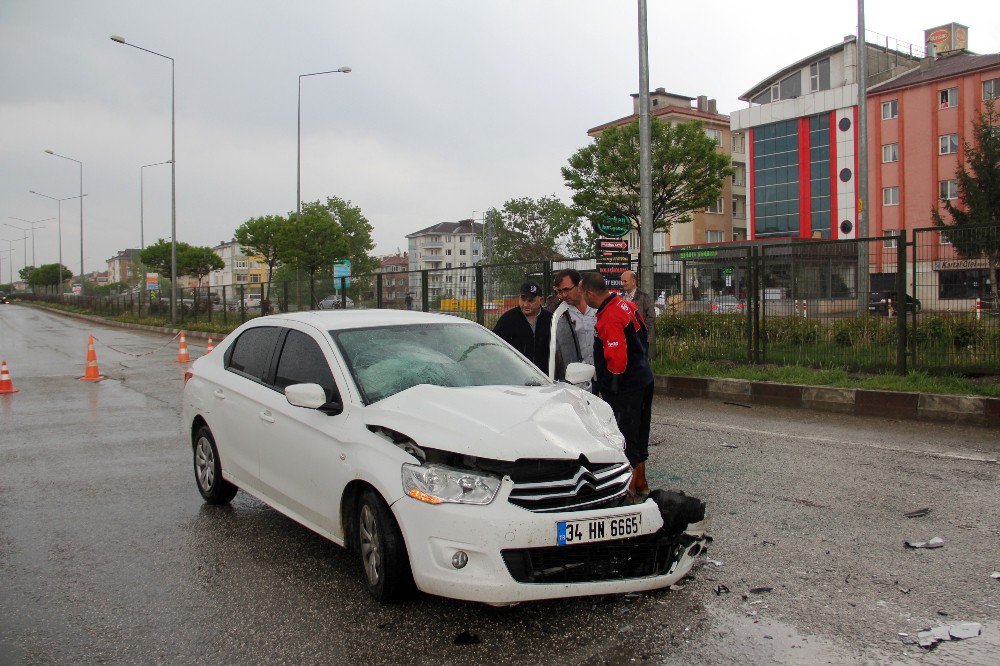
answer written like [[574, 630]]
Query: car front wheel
[[208, 470], [384, 560]]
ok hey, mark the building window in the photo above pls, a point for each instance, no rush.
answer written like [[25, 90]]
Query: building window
[[947, 144], [776, 179], [788, 88], [890, 152], [714, 236], [448, 265], [717, 208], [890, 243], [820, 216], [890, 196], [715, 135], [948, 189], [819, 75], [447, 252], [991, 89], [737, 139], [255, 278], [461, 251], [943, 239], [240, 263], [948, 98], [475, 253], [739, 174], [890, 109]]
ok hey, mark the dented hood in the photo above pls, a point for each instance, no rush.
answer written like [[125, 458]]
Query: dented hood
[[504, 422]]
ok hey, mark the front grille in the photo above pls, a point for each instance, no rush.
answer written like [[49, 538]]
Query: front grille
[[640, 557], [572, 486]]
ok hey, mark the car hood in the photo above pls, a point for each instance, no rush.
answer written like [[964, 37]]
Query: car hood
[[503, 422]]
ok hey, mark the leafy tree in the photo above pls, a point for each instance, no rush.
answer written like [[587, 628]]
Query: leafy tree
[[157, 257], [48, 275], [25, 272], [198, 261], [261, 236], [688, 173], [358, 231], [975, 222], [312, 242], [540, 229]]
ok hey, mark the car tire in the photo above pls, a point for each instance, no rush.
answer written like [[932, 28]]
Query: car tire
[[208, 469], [384, 561]]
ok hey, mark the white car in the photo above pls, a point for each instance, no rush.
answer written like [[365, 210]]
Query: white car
[[431, 447], [251, 301]]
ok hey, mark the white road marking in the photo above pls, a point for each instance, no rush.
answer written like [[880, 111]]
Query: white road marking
[[826, 440]]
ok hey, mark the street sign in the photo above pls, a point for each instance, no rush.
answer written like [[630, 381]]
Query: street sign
[[341, 269], [612, 260], [152, 282], [613, 225], [728, 270]]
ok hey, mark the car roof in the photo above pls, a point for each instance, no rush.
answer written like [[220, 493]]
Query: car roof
[[344, 319]]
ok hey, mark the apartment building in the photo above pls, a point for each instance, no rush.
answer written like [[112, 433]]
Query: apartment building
[[240, 268], [121, 265], [918, 125], [715, 224], [800, 134], [395, 284], [440, 247]]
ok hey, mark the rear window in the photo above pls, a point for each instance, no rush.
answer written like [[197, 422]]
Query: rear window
[[251, 352]]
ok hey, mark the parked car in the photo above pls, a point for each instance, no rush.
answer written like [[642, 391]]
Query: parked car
[[335, 302], [430, 447], [727, 305], [3, 298], [878, 303], [251, 301]]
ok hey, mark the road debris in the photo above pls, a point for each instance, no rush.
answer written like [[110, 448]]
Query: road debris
[[760, 590], [729, 446], [918, 513], [936, 542], [466, 638], [995, 575], [738, 404], [721, 589], [929, 638], [676, 588], [719, 564], [904, 590]]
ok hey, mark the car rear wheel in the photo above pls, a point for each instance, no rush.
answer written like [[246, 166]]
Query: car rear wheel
[[384, 561], [208, 470]]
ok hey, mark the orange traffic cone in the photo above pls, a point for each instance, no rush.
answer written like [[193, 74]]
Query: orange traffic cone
[[6, 385], [92, 373], [208, 350], [182, 352]]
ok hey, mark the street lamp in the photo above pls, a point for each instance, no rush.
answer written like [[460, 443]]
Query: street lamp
[[173, 179], [10, 257], [142, 237], [59, 227], [32, 223], [298, 149], [81, 209]]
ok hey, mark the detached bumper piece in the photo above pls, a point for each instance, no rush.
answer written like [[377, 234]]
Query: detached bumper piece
[[639, 557]]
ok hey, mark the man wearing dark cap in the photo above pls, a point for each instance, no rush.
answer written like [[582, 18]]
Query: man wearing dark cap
[[527, 327]]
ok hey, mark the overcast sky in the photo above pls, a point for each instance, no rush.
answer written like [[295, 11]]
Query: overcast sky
[[453, 105]]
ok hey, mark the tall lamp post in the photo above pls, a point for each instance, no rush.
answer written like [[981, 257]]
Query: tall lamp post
[[10, 256], [58, 225], [32, 223], [142, 236], [173, 179], [81, 208]]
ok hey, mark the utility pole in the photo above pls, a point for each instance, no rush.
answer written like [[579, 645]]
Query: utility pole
[[645, 163], [862, 179]]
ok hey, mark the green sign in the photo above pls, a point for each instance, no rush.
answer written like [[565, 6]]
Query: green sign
[[698, 254], [728, 270], [613, 225]]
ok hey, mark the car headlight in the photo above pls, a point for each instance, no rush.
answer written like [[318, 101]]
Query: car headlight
[[435, 484]]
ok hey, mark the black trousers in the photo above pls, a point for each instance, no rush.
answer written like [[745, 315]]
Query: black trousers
[[633, 412]]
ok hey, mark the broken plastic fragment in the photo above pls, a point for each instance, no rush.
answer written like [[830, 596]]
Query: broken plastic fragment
[[963, 630], [676, 588], [719, 564], [721, 589], [995, 575], [957, 631], [760, 590], [918, 513], [936, 542], [729, 446]]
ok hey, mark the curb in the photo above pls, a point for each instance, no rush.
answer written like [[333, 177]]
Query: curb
[[958, 409]]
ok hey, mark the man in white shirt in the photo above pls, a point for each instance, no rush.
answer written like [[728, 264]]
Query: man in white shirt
[[575, 337]]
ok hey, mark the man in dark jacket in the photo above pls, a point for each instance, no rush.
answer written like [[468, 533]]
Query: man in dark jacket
[[527, 327], [623, 374]]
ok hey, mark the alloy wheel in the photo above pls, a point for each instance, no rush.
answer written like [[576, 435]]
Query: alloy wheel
[[204, 460], [371, 552]]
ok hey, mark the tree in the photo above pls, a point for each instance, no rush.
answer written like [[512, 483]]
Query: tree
[[48, 275], [25, 272], [540, 229], [312, 242], [975, 222], [261, 236], [198, 261], [358, 231], [157, 257], [688, 173]]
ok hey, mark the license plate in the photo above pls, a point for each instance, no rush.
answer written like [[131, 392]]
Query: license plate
[[572, 532]]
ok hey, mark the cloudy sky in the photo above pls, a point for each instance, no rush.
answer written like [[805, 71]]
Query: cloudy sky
[[453, 105]]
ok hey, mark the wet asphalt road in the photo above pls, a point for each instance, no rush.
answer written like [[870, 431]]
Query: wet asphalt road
[[107, 553]]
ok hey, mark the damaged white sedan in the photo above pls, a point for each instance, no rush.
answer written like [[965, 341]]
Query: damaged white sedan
[[438, 453]]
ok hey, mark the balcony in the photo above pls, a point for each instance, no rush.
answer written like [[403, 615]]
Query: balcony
[[431, 244]]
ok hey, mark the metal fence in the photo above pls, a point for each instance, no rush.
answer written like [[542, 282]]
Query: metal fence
[[922, 305]]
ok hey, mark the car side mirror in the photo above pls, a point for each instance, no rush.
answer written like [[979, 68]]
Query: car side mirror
[[310, 396], [579, 373]]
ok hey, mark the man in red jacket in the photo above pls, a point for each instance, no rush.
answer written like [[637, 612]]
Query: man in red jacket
[[623, 374]]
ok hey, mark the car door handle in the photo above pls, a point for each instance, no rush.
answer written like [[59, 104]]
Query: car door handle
[[267, 416], [219, 394]]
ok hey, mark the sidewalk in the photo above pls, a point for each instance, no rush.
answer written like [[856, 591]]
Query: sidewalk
[[959, 409]]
